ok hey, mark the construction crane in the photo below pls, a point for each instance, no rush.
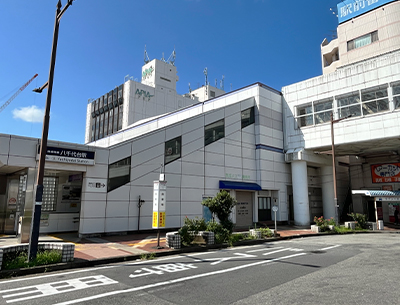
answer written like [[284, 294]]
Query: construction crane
[[16, 93]]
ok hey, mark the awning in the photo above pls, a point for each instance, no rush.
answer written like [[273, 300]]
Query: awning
[[379, 195], [236, 185]]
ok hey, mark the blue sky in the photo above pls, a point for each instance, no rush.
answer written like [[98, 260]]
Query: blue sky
[[100, 41]]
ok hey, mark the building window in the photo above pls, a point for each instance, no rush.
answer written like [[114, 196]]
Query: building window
[[349, 104], [172, 150], [374, 100], [322, 111], [362, 41], [247, 117], [214, 132], [305, 115], [119, 173], [317, 112], [49, 201], [396, 95]]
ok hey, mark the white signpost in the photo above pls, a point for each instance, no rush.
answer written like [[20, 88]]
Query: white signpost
[[275, 209], [159, 202]]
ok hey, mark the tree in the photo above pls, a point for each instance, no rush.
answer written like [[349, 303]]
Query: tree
[[221, 206]]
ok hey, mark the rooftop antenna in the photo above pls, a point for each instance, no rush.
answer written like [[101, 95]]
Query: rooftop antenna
[[216, 83], [126, 78], [206, 74], [231, 86], [190, 89], [163, 59], [222, 82], [172, 57], [146, 56]]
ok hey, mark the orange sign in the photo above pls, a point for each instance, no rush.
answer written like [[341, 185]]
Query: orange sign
[[383, 173], [155, 220], [162, 220]]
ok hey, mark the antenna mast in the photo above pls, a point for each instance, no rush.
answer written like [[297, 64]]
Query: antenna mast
[[146, 56]]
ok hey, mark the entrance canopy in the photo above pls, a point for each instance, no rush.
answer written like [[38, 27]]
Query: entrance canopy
[[379, 195], [236, 185]]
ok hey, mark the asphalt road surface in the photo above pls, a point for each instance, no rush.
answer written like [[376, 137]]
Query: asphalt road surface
[[334, 269]]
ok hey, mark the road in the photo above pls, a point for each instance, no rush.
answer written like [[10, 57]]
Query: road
[[335, 269]]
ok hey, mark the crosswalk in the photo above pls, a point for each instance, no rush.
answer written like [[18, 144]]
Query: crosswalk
[[192, 266], [37, 291]]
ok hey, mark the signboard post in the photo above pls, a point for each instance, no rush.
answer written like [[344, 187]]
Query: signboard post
[[159, 201], [275, 209]]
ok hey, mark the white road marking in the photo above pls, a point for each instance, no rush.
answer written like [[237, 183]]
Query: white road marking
[[220, 260], [183, 279], [328, 248], [263, 249], [56, 274], [42, 290], [284, 249], [161, 269]]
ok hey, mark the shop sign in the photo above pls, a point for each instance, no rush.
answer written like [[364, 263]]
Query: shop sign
[[349, 9], [147, 72], [237, 176], [144, 94], [383, 173], [67, 155]]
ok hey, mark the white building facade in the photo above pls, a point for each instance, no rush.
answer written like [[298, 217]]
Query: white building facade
[[266, 147]]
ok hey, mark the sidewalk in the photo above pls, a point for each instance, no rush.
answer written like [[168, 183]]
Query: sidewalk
[[109, 249]]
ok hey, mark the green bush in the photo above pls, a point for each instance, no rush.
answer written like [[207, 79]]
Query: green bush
[[19, 259], [266, 232], [323, 223], [360, 219], [221, 234], [190, 229], [235, 238], [341, 230], [222, 205]]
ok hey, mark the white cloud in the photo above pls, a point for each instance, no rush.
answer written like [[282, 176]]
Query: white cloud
[[31, 114]]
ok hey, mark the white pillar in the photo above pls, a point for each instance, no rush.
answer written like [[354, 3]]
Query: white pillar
[[327, 192], [300, 193]]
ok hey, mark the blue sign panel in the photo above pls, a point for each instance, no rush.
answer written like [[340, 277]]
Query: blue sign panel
[[348, 9]]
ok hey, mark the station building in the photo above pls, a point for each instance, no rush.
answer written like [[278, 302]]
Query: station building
[[266, 147]]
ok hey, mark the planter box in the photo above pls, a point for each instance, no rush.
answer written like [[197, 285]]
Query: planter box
[[173, 240], [350, 225], [66, 249], [371, 225], [256, 233], [315, 228]]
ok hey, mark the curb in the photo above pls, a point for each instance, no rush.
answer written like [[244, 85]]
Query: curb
[[79, 263]]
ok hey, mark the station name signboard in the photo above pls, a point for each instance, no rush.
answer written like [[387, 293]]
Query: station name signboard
[[68, 155], [383, 173], [349, 9]]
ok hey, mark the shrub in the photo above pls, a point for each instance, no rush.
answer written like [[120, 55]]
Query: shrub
[[221, 234], [341, 230], [323, 223], [266, 232], [222, 205], [360, 219], [19, 259], [190, 229]]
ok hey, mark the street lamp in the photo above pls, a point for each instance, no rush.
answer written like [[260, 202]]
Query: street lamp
[[34, 233], [335, 200]]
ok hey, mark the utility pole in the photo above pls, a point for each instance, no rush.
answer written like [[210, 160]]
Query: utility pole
[[35, 226]]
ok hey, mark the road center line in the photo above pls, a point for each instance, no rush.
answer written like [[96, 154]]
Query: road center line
[[178, 280], [328, 248]]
